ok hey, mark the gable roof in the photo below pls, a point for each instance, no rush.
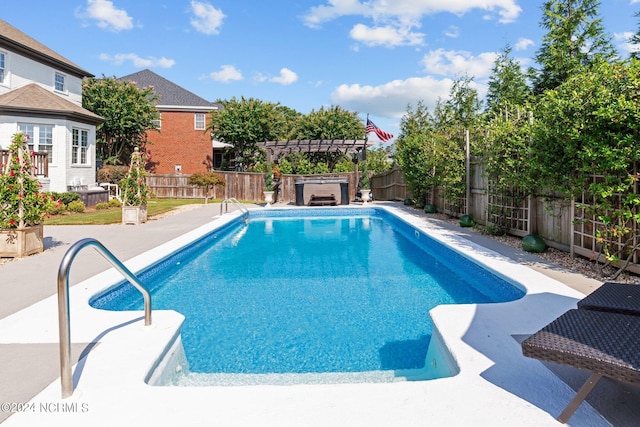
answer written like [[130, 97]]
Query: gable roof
[[170, 94], [34, 100], [15, 40]]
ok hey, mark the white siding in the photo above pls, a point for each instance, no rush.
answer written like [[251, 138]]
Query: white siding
[[22, 71]]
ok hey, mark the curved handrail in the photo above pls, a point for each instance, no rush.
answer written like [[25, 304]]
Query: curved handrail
[[237, 204], [63, 304]]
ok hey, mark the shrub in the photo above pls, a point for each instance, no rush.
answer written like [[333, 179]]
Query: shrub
[[68, 197], [102, 206], [58, 209], [76, 206], [114, 203], [112, 174]]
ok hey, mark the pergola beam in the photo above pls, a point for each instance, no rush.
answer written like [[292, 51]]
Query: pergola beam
[[275, 148]]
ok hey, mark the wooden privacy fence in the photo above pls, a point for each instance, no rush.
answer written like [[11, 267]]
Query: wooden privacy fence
[[240, 185], [518, 214], [389, 185]]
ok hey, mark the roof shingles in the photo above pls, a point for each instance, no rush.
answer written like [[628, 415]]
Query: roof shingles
[[169, 93]]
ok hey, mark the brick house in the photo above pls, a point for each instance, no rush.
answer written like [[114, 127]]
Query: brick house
[[182, 144], [41, 96]]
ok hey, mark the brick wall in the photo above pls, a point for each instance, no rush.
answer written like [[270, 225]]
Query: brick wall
[[178, 143]]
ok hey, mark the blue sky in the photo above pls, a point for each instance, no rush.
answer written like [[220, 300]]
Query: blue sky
[[375, 56]]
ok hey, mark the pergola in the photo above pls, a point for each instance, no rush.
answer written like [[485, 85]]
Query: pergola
[[275, 148]]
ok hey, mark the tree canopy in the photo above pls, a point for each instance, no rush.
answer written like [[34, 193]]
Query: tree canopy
[[128, 112], [243, 123], [575, 38]]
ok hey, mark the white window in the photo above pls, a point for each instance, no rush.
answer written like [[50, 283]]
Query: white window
[[45, 141], [3, 67], [199, 121], [59, 83], [80, 147], [30, 133], [40, 138], [158, 123]]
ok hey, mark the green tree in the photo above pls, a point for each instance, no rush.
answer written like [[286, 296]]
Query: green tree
[[575, 38], [507, 83], [129, 112], [416, 152], [586, 139], [331, 123], [635, 41], [207, 181], [245, 122], [459, 114]]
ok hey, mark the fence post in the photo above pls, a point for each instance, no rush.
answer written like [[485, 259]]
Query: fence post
[[468, 168]]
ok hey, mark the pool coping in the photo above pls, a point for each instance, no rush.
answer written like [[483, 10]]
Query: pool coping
[[496, 384]]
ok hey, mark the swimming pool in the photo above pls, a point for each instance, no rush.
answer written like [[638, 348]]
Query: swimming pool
[[322, 295]]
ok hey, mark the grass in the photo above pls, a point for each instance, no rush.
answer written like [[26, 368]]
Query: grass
[[114, 215]]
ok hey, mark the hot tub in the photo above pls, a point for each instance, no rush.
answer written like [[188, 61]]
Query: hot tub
[[322, 187]]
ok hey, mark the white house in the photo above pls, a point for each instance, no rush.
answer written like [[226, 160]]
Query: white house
[[41, 95]]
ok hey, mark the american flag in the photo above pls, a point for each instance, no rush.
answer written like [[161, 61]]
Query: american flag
[[382, 135]]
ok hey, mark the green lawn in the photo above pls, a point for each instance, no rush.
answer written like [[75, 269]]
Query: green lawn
[[114, 215]]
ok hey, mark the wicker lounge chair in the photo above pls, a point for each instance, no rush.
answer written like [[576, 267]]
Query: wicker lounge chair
[[615, 297], [603, 343]]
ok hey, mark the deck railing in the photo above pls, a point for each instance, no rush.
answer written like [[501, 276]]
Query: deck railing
[[40, 160]]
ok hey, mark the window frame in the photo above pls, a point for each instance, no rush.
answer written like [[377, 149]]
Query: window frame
[[38, 133], [79, 147], [63, 79], [3, 68], [199, 117]]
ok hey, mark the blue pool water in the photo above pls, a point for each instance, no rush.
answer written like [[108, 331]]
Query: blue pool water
[[343, 290]]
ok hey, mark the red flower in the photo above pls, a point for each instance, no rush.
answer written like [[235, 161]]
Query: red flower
[[12, 222]]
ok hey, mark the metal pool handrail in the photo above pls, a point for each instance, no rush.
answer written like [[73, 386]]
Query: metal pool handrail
[[237, 204], [66, 378]]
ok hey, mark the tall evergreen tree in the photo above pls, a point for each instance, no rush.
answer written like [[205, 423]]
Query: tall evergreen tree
[[575, 38], [507, 83], [635, 41]]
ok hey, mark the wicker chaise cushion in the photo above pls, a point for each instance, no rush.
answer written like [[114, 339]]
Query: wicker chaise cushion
[[616, 297], [595, 341]]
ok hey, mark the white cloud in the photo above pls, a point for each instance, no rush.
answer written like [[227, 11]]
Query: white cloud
[[456, 63], [137, 61], [408, 10], [286, 77], [226, 74], [453, 32], [386, 36], [523, 44], [391, 99], [108, 17], [207, 19], [623, 41]]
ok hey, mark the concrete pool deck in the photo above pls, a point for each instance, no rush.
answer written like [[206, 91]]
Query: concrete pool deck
[[496, 385]]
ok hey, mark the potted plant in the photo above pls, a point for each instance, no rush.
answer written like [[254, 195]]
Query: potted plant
[[22, 206], [268, 185], [134, 191], [365, 189]]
